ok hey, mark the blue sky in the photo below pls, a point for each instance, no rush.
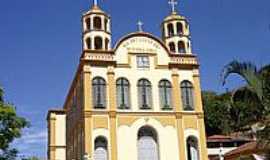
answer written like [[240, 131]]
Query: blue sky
[[40, 45]]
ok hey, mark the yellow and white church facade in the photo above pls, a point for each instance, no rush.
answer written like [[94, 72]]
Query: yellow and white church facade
[[138, 100]]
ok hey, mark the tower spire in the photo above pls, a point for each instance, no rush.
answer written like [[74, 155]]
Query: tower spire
[[173, 4]]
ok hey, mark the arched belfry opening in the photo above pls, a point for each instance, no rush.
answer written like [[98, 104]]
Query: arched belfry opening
[[97, 23], [148, 148], [98, 43]]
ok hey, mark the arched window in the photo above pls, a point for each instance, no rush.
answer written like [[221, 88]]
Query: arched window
[[144, 94], [97, 23], [99, 93], [181, 47], [106, 25], [179, 27], [101, 149], [88, 23], [88, 43], [122, 87], [107, 41], [165, 94], [172, 47], [98, 43], [192, 148], [148, 148], [187, 96], [170, 29]]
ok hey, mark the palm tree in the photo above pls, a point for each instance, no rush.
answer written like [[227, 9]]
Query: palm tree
[[256, 89], [257, 81]]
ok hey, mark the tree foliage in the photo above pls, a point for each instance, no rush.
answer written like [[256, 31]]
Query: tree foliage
[[224, 115], [255, 91], [11, 126]]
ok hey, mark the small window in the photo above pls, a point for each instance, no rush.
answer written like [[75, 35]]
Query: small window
[[181, 47], [88, 23], [98, 43], [122, 89], [172, 47], [187, 96], [99, 93], [97, 23], [88, 43], [106, 24], [165, 95], [179, 27], [170, 30], [143, 62], [144, 94]]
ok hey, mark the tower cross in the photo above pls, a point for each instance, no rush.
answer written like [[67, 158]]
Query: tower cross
[[173, 4], [140, 26]]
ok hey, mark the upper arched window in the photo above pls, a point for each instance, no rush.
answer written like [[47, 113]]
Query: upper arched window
[[101, 149], [165, 94], [144, 94], [107, 41], [98, 43], [99, 93], [181, 47], [179, 27], [88, 43], [106, 25], [148, 148], [187, 96], [192, 148], [122, 88], [97, 23], [88, 23], [170, 29], [172, 47]]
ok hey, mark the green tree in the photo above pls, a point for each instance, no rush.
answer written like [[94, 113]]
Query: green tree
[[11, 126], [224, 115], [256, 91]]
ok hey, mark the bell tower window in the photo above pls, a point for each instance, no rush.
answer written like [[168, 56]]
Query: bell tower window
[[172, 47], [97, 23], [98, 43], [88, 23], [170, 29], [179, 27], [181, 47], [107, 43], [88, 43], [106, 25]]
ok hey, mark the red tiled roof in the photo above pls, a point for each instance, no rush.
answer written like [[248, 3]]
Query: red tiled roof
[[223, 138], [246, 149]]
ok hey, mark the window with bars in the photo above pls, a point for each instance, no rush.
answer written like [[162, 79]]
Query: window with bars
[[99, 93], [187, 96], [144, 94], [122, 88], [165, 89]]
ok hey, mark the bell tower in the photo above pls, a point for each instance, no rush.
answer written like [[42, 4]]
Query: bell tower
[[175, 32], [96, 29]]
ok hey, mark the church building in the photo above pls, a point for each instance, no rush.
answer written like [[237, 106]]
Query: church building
[[139, 99]]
